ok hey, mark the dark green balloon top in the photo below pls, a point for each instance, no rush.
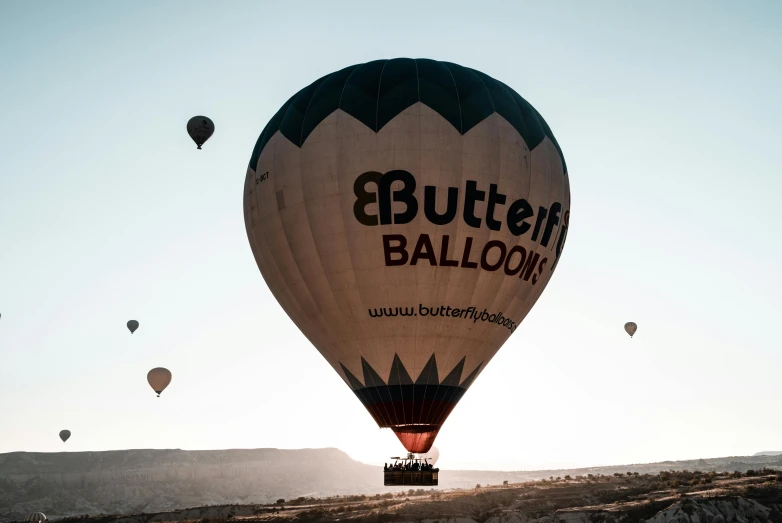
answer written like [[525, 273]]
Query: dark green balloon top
[[375, 92]]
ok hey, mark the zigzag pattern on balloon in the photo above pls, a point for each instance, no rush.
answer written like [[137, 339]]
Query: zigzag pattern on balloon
[[415, 407], [376, 92]]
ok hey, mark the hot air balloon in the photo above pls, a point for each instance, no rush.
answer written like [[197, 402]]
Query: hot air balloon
[[132, 326], [630, 328], [200, 128], [37, 517], [407, 214], [64, 435], [158, 379]]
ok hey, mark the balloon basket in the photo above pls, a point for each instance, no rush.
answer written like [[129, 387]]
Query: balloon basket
[[410, 470]]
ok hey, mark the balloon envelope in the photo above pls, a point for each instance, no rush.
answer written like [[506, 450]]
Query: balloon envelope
[[158, 379], [132, 326], [630, 328], [36, 516], [200, 128], [64, 435], [407, 214]]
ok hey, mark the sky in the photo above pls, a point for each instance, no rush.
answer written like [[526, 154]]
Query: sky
[[668, 114]]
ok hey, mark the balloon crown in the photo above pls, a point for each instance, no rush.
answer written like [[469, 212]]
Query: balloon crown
[[376, 92]]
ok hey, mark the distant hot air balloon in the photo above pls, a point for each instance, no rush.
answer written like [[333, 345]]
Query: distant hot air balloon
[[158, 379], [432, 456], [407, 214], [64, 435], [630, 328], [132, 326], [36, 517], [200, 128]]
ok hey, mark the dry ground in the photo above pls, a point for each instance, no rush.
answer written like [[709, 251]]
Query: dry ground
[[634, 497]]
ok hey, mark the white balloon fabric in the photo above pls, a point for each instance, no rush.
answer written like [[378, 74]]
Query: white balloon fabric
[[159, 378], [407, 214], [36, 517], [630, 328]]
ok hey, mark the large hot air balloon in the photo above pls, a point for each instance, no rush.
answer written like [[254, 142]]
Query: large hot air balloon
[[158, 379], [630, 328], [407, 214], [64, 435], [132, 326], [200, 128], [36, 517]]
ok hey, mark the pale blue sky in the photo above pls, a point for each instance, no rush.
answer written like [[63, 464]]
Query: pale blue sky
[[668, 114]]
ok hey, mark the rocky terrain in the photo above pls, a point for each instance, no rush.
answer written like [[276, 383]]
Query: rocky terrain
[[245, 482], [67, 483], [669, 497]]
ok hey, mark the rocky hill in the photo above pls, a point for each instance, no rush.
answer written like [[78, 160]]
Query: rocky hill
[[128, 481], [149, 481]]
